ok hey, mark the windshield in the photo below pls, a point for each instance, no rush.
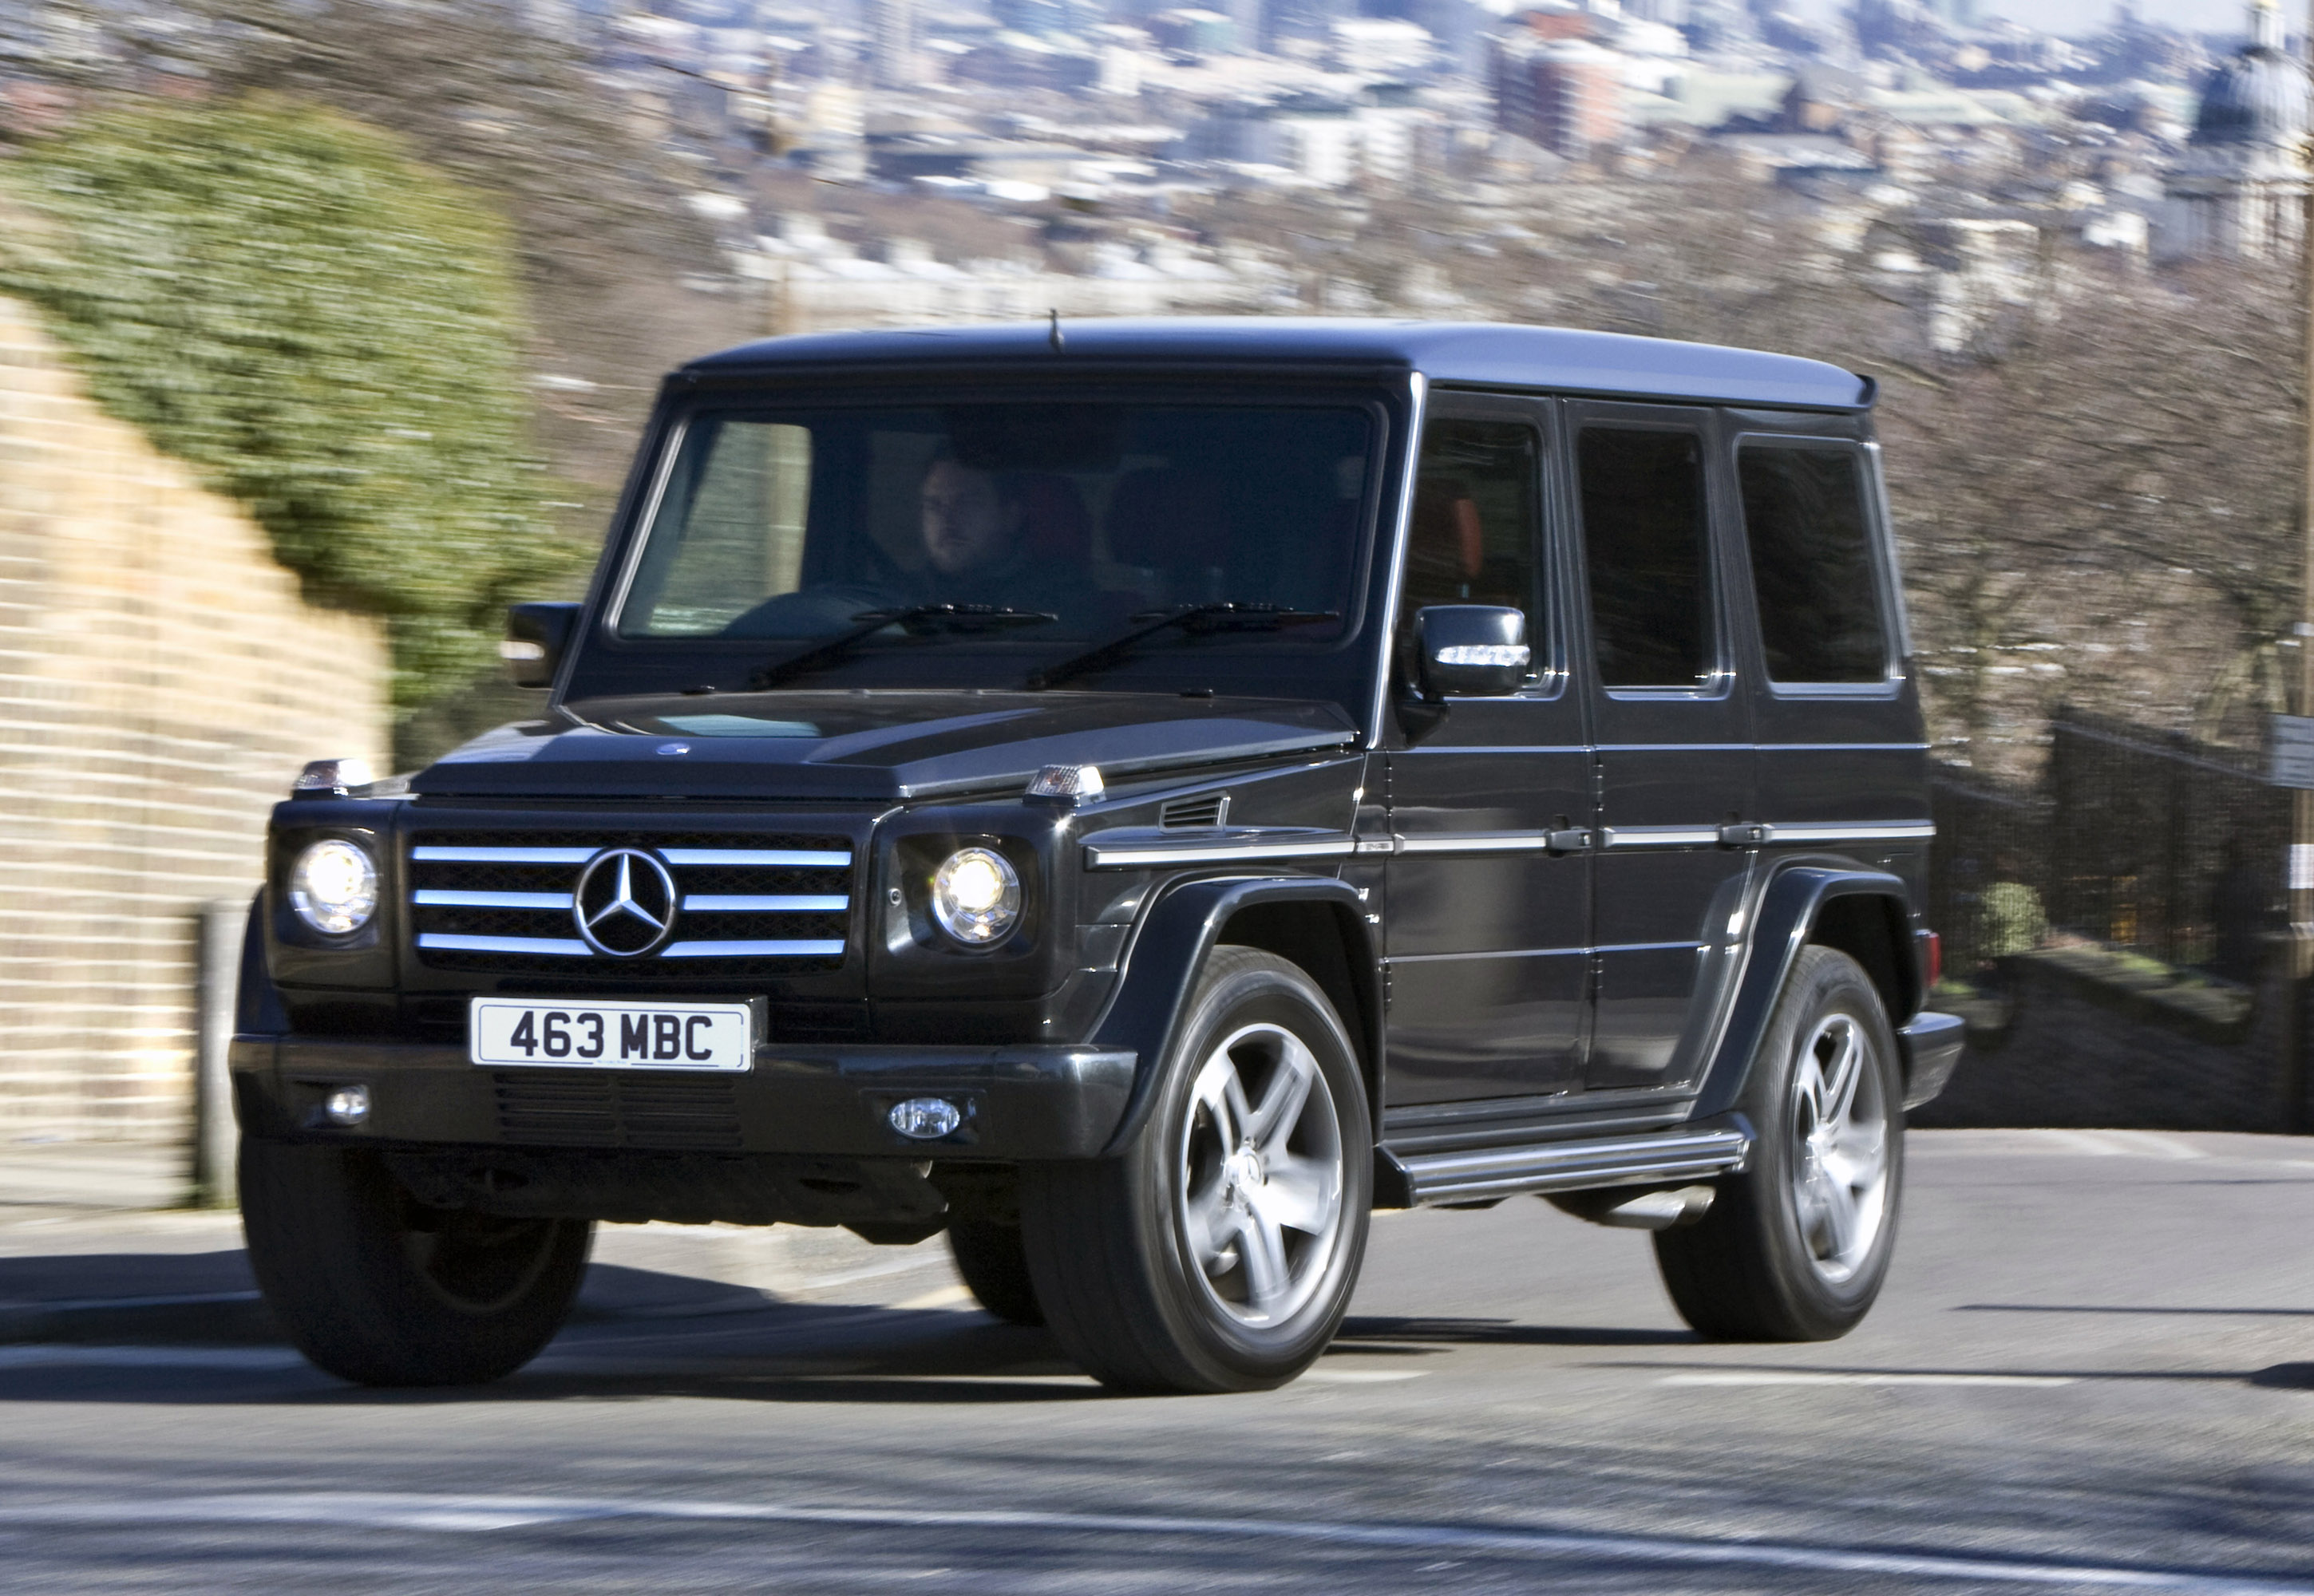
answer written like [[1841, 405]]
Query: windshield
[[798, 523]]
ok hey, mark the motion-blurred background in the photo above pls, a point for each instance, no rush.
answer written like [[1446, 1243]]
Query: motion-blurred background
[[326, 325]]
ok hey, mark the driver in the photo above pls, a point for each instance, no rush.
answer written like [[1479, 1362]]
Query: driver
[[971, 524], [974, 525]]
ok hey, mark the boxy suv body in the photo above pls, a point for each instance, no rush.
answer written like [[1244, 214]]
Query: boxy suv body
[[1139, 796]]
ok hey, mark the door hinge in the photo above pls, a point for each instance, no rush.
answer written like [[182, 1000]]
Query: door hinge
[[1574, 839]]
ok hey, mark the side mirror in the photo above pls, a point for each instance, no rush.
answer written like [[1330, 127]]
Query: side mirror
[[1469, 650], [536, 637]]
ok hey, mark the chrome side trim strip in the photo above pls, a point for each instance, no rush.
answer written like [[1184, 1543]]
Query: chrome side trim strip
[[450, 942], [441, 897], [1661, 837], [716, 902], [1855, 832], [755, 949], [1677, 1155], [1477, 843], [502, 856], [1109, 856], [792, 857]]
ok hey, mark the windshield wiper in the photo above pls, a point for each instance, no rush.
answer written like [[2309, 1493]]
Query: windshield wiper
[[921, 620], [1197, 620]]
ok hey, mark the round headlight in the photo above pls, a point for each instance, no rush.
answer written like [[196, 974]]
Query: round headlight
[[977, 896], [334, 887]]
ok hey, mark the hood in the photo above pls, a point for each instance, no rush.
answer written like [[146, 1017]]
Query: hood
[[866, 745]]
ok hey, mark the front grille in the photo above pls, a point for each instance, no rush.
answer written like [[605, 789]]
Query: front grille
[[746, 903], [669, 1113]]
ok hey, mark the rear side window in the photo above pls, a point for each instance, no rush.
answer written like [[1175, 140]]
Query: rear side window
[[1476, 517], [1648, 545], [1811, 544]]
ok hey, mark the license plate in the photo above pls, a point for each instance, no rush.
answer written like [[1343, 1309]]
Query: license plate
[[610, 1035]]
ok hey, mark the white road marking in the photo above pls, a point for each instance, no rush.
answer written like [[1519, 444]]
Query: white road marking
[[1362, 1377], [2087, 1141], [50, 1356], [1803, 1377], [2157, 1144], [485, 1513]]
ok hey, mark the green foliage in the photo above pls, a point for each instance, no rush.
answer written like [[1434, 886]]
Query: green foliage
[[2014, 920], [328, 330]]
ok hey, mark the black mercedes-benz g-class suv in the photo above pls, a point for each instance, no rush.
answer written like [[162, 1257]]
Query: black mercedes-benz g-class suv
[[1139, 796]]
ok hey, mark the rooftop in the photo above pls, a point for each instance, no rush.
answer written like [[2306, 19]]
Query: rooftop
[[1476, 354]]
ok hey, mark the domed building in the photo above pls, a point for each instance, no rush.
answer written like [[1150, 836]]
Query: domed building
[[2242, 188]]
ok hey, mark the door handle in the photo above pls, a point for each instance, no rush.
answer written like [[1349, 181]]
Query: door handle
[[1744, 834], [1573, 839]]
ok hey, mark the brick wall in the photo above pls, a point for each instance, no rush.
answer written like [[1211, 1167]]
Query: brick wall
[[160, 681]]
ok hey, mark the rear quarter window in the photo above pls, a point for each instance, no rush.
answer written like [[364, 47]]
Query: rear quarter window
[[1809, 535]]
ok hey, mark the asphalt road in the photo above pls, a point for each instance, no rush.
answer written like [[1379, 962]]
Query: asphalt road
[[2092, 1370]]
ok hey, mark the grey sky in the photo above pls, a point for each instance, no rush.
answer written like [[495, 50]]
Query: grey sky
[[2079, 16]]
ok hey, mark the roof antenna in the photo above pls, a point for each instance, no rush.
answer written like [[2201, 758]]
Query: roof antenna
[[1055, 336]]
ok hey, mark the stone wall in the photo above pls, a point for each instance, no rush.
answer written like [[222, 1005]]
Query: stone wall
[[161, 681]]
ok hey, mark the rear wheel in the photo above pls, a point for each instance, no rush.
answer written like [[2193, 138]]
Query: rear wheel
[[1794, 1248], [1219, 1251], [378, 1288], [995, 1263]]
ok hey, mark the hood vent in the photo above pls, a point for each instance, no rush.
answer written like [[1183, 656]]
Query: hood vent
[[1206, 812]]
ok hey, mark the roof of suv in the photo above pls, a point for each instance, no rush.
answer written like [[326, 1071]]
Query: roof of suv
[[1480, 354]]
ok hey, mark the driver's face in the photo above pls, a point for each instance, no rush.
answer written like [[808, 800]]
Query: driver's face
[[968, 525]]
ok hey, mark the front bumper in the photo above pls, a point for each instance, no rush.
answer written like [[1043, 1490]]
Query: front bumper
[[826, 1100]]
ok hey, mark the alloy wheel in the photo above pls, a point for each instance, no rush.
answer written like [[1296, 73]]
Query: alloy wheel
[[1261, 1205]]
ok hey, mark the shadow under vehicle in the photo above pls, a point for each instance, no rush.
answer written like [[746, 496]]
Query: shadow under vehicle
[[1138, 796]]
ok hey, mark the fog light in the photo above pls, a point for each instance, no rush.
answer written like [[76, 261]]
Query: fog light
[[346, 1106], [923, 1119]]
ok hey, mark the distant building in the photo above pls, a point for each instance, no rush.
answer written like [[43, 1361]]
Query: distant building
[[2242, 186], [1564, 94], [892, 43]]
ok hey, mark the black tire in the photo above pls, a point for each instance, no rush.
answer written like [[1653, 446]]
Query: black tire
[[378, 1289], [1766, 1263], [994, 1263], [1114, 1245]]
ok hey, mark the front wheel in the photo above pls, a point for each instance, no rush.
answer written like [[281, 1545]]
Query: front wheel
[[1794, 1248], [1218, 1253], [377, 1288]]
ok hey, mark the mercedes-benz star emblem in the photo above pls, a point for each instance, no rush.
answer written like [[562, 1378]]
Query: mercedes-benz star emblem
[[625, 903]]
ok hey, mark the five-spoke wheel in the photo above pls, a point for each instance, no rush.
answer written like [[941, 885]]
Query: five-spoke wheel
[[1795, 1246], [1261, 1173], [1217, 1250]]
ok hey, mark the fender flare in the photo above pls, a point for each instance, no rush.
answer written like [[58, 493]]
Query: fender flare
[[1783, 917], [1169, 950]]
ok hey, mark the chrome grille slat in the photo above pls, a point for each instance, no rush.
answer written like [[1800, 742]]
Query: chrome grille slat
[[502, 901]]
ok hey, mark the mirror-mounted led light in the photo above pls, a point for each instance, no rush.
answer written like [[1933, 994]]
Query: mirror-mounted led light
[[924, 1119], [1487, 654], [521, 649], [334, 887], [332, 778], [346, 1106], [977, 896], [1068, 783]]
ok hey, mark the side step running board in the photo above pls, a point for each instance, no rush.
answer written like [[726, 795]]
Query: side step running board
[[1664, 1157]]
